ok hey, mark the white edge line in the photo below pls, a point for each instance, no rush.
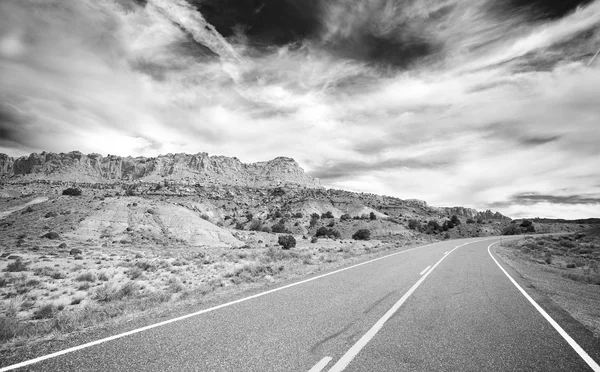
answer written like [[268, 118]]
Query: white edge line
[[446, 252], [160, 324], [585, 356], [345, 360], [425, 270], [322, 364]]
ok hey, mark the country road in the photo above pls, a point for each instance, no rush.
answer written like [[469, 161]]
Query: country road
[[447, 306]]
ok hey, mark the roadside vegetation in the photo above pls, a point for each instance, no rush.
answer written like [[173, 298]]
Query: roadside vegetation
[[44, 295]]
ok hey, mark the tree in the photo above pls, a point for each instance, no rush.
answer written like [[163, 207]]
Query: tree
[[414, 224], [372, 216], [362, 234], [527, 226], [455, 220], [327, 214], [345, 217], [286, 241], [279, 228]]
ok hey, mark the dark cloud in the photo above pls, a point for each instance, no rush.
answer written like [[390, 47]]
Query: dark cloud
[[534, 141], [540, 9], [343, 170], [529, 198], [265, 22], [383, 49], [12, 124], [517, 132]]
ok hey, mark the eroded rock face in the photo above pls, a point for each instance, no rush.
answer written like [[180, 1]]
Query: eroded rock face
[[78, 167]]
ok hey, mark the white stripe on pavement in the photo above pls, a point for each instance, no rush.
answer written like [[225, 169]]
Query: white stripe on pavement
[[585, 356], [425, 270], [322, 364], [364, 340]]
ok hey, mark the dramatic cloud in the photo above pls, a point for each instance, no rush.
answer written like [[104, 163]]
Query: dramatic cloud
[[483, 104]]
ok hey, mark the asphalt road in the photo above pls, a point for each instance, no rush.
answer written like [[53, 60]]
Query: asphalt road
[[463, 315]]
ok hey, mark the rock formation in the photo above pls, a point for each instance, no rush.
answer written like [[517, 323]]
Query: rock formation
[[199, 168]]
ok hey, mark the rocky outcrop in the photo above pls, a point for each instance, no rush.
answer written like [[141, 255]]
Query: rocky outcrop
[[198, 168], [472, 213]]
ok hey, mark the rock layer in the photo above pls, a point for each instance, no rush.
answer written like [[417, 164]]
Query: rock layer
[[198, 168]]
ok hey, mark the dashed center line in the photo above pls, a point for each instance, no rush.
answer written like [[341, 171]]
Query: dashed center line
[[425, 270], [322, 364], [345, 360]]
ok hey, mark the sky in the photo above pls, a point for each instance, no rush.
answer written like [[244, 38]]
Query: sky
[[482, 103]]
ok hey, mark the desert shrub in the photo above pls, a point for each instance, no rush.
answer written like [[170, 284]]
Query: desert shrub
[[50, 215], [527, 226], [479, 221], [315, 216], [327, 214], [72, 191], [362, 234], [314, 239], [239, 226], [86, 277], [286, 241], [414, 224], [256, 225], [16, 266], [277, 214], [447, 225], [455, 220], [279, 228], [330, 233], [511, 229], [298, 215], [345, 217], [151, 211], [372, 216], [470, 220], [249, 216], [103, 276], [331, 224], [134, 273], [433, 226], [266, 229], [44, 312]]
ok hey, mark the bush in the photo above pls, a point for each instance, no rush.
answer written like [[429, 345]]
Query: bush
[[45, 311], [16, 266], [86, 277], [286, 241], [256, 225], [414, 224], [345, 217], [280, 228], [470, 220], [372, 216], [314, 239], [329, 233], [511, 229], [298, 215], [72, 191], [455, 220], [327, 214], [314, 216], [362, 234], [527, 226]]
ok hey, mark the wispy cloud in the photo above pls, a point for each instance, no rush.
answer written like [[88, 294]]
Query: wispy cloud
[[455, 102]]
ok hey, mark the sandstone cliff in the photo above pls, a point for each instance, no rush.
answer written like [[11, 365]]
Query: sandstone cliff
[[198, 168]]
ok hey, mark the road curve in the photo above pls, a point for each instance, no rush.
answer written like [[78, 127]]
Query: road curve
[[455, 310]]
